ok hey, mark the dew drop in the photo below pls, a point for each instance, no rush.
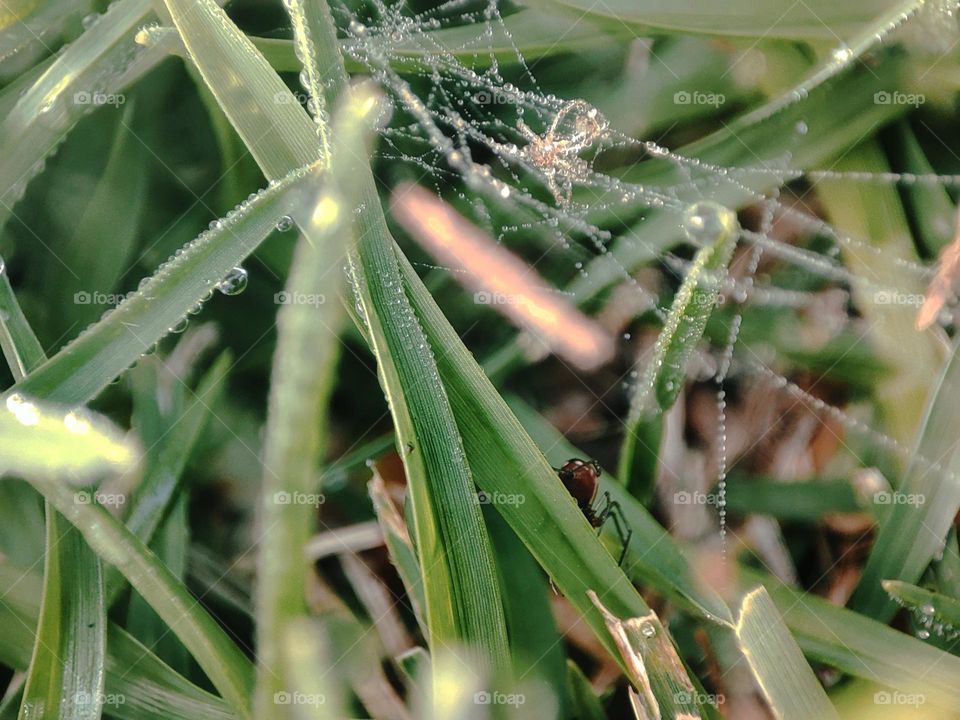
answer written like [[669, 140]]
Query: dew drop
[[234, 283], [706, 221], [648, 630], [25, 412], [284, 223], [923, 634]]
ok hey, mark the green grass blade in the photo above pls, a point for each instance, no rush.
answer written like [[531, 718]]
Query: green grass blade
[[863, 647], [20, 346], [85, 366], [716, 229], [787, 682], [915, 532], [276, 130], [66, 674], [302, 379], [169, 448], [932, 609], [528, 33]]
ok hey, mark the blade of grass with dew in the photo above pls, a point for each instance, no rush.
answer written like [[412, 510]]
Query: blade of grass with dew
[[263, 111], [653, 557], [302, 378], [875, 212], [66, 672], [461, 588], [861, 646], [504, 460], [170, 446], [915, 532], [784, 677], [931, 608], [716, 230], [149, 688], [782, 19], [85, 366]]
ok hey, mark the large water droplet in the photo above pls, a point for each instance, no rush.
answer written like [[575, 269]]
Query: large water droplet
[[705, 221], [648, 630], [284, 223], [234, 283]]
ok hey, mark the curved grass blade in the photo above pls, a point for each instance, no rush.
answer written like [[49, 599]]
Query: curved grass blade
[[787, 682], [863, 647], [932, 610], [66, 675], [301, 383], [88, 364], [228, 669], [915, 532], [716, 228], [528, 34]]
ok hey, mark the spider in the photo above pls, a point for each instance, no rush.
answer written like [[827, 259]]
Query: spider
[[581, 479], [556, 154]]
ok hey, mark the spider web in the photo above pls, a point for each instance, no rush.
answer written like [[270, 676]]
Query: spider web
[[521, 163]]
